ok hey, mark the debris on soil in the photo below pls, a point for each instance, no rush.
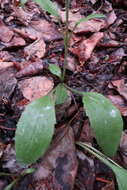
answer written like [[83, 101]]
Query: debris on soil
[[30, 40]]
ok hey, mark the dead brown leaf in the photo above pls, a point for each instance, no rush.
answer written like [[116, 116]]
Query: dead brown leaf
[[6, 33], [22, 15], [121, 87], [5, 65], [5, 56], [59, 166], [16, 41], [29, 68], [35, 87], [86, 47], [7, 84], [86, 172], [93, 25], [36, 49], [111, 18], [40, 29], [118, 101], [47, 30], [123, 147]]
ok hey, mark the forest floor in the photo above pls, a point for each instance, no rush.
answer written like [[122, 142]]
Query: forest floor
[[30, 40]]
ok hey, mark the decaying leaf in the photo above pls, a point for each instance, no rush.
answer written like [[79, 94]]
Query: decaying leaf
[[36, 49], [60, 162], [30, 68], [6, 33], [5, 65], [35, 87], [86, 47], [121, 87], [94, 25]]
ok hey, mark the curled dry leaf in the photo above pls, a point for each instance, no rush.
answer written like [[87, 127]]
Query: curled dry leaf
[[6, 33], [16, 41], [36, 49], [35, 87], [39, 29], [31, 68], [86, 47]]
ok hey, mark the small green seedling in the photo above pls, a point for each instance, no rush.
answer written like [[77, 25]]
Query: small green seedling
[[35, 128]]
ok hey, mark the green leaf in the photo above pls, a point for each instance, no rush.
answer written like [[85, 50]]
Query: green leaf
[[46, 5], [23, 2], [92, 16], [54, 69], [60, 94], [9, 187], [35, 130], [105, 120], [28, 171], [121, 173]]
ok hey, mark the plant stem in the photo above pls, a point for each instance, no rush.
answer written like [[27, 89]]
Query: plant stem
[[66, 36], [74, 90]]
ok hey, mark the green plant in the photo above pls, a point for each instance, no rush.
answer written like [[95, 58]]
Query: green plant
[[36, 124], [120, 173]]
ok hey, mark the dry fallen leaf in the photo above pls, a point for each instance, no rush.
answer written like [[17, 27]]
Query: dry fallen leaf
[[36, 49], [121, 87], [5, 65], [60, 162], [86, 47], [93, 25], [16, 41], [39, 29], [123, 147], [35, 87], [30, 68], [6, 34], [118, 101]]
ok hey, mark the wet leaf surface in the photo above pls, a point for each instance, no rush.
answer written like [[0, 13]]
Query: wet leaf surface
[[106, 121], [39, 135]]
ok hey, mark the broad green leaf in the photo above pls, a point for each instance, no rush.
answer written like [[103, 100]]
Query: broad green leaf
[[121, 173], [105, 120], [46, 5], [35, 130], [60, 94], [54, 69], [92, 16]]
